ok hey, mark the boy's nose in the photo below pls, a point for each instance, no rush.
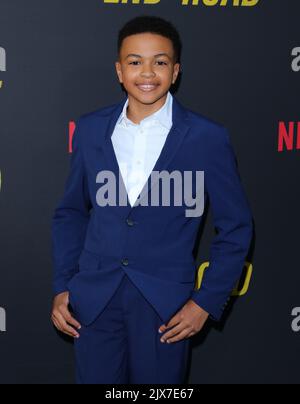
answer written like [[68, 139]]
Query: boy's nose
[[147, 72]]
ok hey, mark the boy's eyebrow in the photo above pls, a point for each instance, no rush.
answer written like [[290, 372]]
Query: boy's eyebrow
[[156, 56]]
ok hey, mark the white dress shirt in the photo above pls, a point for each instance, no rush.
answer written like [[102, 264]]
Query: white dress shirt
[[138, 146]]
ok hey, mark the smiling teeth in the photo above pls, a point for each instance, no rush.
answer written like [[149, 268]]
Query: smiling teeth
[[147, 87]]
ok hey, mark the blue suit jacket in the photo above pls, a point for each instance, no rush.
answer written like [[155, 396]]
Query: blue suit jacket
[[93, 246]]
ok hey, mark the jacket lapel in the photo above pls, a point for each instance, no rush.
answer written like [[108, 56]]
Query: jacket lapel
[[172, 144]]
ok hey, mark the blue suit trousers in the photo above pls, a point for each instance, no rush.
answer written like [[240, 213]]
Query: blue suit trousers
[[122, 346]]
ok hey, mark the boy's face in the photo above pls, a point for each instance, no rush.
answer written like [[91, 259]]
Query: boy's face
[[147, 67]]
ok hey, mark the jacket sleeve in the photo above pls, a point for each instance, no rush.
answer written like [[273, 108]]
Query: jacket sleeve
[[234, 225], [70, 219]]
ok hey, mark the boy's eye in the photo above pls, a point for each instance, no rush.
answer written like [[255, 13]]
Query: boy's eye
[[160, 62]]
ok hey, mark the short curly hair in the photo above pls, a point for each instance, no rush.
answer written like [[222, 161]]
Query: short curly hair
[[154, 25]]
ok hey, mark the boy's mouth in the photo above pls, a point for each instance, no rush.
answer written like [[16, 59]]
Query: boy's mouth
[[147, 87]]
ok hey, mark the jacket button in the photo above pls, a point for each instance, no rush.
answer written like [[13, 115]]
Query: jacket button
[[125, 262], [130, 222]]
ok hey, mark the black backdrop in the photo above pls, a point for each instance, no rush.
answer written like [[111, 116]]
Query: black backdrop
[[237, 69]]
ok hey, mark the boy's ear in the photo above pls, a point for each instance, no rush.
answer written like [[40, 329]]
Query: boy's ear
[[176, 72], [119, 71]]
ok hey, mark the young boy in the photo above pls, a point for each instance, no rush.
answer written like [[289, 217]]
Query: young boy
[[123, 259]]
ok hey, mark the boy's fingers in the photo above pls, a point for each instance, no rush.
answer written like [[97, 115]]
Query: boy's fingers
[[65, 328], [68, 318], [179, 337], [170, 324], [174, 321], [71, 320], [176, 330], [70, 331], [56, 323]]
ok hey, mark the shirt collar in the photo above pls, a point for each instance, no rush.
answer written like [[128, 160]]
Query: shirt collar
[[163, 116]]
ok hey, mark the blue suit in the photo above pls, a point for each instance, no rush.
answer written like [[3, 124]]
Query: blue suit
[[95, 247]]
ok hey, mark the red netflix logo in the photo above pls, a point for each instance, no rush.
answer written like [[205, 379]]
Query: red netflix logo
[[289, 136], [72, 128]]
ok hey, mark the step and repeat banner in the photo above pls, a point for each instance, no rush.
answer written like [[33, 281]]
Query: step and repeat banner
[[241, 68]]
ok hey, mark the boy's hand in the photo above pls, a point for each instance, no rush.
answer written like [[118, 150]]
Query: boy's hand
[[187, 322], [61, 316]]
